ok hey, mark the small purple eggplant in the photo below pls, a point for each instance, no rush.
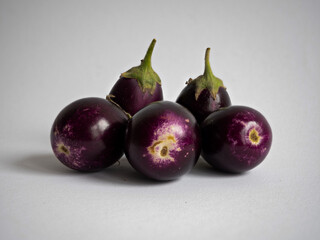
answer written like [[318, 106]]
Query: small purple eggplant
[[88, 134], [235, 139], [138, 87], [163, 141], [205, 94]]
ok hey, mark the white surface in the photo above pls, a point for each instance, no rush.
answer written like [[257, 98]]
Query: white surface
[[54, 52]]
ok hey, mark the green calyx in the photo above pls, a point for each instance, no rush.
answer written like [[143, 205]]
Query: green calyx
[[147, 78], [207, 80]]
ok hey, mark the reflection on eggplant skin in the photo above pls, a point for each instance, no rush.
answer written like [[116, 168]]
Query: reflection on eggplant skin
[[98, 129]]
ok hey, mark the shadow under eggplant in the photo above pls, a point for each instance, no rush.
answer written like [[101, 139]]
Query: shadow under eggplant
[[119, 173], [204, 169]]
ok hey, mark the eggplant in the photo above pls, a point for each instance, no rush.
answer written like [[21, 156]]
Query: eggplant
[[205, 94], [88, 134], [138, 87], [235, 139], [163, 141]]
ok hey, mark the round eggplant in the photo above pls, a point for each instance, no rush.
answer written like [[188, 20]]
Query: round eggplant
[[235, 139], [88, 134], [138, 87], [205, 94], [163, 141]]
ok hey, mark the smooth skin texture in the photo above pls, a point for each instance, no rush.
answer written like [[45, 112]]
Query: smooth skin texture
[[129, 95]]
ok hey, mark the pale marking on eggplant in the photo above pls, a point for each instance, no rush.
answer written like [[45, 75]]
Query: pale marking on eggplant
[[164, 151], [254, 137], [67, 127], [234, 122], [246, 131], [177, 129], [161, 147], [243, 123], [251, 133], [187, 120], [56, 131], [76, 164], [63, 149], [166, 141], [77, 152]]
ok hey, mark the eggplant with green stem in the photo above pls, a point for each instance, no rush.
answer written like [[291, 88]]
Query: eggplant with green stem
[[205, 94], [138, 87]]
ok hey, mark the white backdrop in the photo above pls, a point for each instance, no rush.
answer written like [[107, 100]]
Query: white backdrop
[[54, 52]]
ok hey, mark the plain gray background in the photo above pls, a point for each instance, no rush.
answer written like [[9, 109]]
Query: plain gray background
[[55, 52]]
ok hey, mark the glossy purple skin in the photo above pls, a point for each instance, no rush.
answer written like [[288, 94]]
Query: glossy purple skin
[[235, 139], [88, 134], [128, 94], [205, 104], [163, 141]]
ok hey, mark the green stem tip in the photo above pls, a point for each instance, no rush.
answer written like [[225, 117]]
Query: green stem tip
[[146, 77], [147, 58], [208, 80], [207, 68]]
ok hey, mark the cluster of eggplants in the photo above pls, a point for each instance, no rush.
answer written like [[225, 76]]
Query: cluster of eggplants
[[235, 139], [161, 139], [89, 134]]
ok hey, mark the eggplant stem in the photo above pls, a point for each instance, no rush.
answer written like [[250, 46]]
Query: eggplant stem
[[207, 69], [109, 98], [146, 62]]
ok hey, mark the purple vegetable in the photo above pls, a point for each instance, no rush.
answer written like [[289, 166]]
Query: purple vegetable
[[205, 94], [163, 141], [235, 139], [138, 87], [88, 134]]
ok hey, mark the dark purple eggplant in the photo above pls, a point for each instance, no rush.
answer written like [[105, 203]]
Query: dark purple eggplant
[[88, 134], [235, 139], [205, 94], [138, 87], [163, 141]]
